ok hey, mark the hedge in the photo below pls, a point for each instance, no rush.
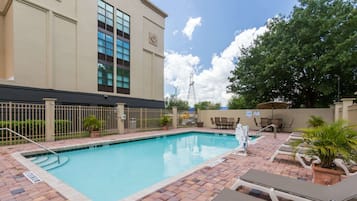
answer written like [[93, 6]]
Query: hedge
[[34, 126]]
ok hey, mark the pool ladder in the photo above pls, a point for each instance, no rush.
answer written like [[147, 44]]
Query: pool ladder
[[266, 127], [29, 140]]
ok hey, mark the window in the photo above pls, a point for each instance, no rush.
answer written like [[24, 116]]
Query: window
[[105, 77], [105, 46], [123, 52], [123, 24], [105, 16], [106, 40], [123, 80]]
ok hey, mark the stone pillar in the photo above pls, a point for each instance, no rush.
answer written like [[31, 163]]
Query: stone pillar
[[121, 118], [174, 117], [346, 102], [50, 119], [338, 105]]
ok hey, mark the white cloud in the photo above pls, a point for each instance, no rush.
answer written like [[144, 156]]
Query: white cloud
[[191, 24], [175, 32], [210, 83]]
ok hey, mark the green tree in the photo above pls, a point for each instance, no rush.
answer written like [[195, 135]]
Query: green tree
[[180, 104], [238, 102], [207, 105], [302, 56]]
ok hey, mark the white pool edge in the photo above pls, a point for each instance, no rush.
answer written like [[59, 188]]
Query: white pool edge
[[65, 190]]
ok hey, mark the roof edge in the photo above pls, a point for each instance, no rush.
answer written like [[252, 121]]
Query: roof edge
[[154, 8]]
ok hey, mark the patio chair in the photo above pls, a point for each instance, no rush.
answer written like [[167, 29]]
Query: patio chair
[[297, 190], [289, 125], [218, 123], [264, 122], [255, 122], [230, 123], [230, 195], [224, 122], [238, 120], [212, 122]]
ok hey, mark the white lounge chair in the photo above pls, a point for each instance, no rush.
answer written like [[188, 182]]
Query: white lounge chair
[[298, 155], [230, 195], [297, 190], [340, 163]]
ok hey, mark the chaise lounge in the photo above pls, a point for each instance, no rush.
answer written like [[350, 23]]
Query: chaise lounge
[[231, 195], [297, 190]]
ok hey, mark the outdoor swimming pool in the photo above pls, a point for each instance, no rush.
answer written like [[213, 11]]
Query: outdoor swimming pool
[[113, 172]]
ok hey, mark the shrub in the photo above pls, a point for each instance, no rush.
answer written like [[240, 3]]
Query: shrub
[[91, 123], [315, 121]]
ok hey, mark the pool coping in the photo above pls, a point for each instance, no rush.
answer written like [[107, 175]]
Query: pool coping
[[71, 193]]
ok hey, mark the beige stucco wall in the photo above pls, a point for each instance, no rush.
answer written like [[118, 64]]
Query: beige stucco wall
[[2, 48], [299, 116], [55, 46], [8, 45], [30, 45]]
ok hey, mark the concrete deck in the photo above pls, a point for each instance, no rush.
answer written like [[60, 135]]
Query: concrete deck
[[201, 185]]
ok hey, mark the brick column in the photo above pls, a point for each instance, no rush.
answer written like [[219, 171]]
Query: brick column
[[120, 118], [174, 117], [50, 119]]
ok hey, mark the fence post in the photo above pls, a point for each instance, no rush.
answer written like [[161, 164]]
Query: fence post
[[338, 105], [50, 119], [141, 118], [121, 118], [174, 117], [346, 102]]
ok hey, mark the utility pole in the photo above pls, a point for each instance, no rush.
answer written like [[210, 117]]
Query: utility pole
[[191, 87], [338, 87]]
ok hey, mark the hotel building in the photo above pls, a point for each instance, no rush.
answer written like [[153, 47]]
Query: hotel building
[[89, 52]]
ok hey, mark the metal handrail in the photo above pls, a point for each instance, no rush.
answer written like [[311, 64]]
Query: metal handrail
[[268, 126], [43, 147]]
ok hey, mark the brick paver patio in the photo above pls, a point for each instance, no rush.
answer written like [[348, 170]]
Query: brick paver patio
[[201, 185]]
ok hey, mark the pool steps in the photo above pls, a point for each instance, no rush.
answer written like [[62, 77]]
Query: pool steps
[[49, 162]]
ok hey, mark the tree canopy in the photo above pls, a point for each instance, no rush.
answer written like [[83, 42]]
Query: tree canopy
[[302, 58], [207, 105], [238, 102], [180, 104]]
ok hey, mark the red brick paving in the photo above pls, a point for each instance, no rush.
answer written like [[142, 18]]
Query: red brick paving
[[201, 185]]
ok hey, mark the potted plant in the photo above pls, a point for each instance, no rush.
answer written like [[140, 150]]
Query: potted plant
[[329, 141], [92, 125], [164, 122]]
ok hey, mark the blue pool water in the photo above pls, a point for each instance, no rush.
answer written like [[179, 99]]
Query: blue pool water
[[113, 172]]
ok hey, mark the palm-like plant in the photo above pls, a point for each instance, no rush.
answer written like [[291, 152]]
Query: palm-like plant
[[330, 141], [91, 123], [315, 121], [165, 120]]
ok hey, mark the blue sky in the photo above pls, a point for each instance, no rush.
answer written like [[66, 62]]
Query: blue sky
[[202, 37]]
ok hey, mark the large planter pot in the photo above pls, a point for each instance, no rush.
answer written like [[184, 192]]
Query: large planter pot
[[94, 134], [325, 176]]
